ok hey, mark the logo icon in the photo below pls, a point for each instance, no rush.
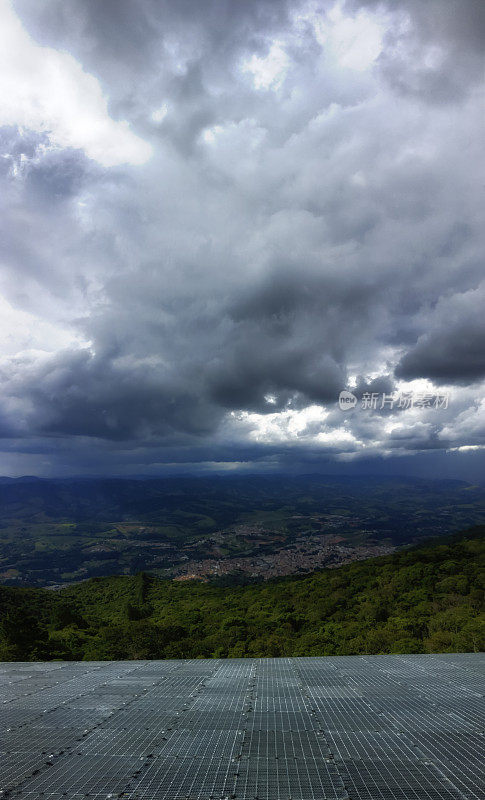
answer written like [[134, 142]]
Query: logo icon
[[347, 400]]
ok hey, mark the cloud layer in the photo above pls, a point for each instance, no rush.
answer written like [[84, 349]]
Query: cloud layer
[[217, 215]]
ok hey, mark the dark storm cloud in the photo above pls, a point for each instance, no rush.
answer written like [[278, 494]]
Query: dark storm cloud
[[155, 49], [120, 26], [452, 348], [285, 237], [383, 384], [454, 355], [288, 338], [89, 396], [290, 375]]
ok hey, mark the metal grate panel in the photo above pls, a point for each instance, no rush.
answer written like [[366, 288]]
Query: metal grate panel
[[343, 728]]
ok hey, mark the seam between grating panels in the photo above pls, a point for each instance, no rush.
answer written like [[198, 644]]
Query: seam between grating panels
[[17, 788], [307, 700], [428, 692], [55, 685], [455, 681], [425, 759], [55, 757], [269, 679], [341, 789], [26, 678], [466, 667], [131, 786], [411, 743], [309, 770], [431, 760], [248, 705], [447, 684], [42, 714], [429, 695]]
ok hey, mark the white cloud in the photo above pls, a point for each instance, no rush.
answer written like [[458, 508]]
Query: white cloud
[[22, 332], [46, 90], [305, 213], [282, 426], [354, 42], [159, 114], [269, 71]]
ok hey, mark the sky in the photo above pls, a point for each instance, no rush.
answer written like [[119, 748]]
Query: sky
[[217, 215]]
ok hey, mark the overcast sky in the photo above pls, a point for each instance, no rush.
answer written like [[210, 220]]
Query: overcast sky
[[218, 214]]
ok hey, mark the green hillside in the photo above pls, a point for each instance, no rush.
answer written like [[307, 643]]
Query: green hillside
[[426, 599]]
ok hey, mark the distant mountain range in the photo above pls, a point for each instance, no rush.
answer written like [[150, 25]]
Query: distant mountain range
[[234, 529]]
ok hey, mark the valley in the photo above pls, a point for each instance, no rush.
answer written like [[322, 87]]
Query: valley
[[230, 530]]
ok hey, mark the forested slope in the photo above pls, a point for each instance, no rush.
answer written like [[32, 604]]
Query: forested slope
[[426, 599]]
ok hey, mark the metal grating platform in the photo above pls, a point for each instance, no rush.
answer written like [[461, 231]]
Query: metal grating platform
[[344, 728]]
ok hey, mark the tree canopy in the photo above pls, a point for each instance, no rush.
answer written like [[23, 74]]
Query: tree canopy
[[419, 600]]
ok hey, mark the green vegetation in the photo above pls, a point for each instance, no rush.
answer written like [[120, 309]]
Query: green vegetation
[[53, 532], [425, 599]]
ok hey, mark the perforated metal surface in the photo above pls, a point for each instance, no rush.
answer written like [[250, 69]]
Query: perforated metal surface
[[347, 728]]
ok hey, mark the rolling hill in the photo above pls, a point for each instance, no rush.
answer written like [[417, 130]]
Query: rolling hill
[[428, 598]]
